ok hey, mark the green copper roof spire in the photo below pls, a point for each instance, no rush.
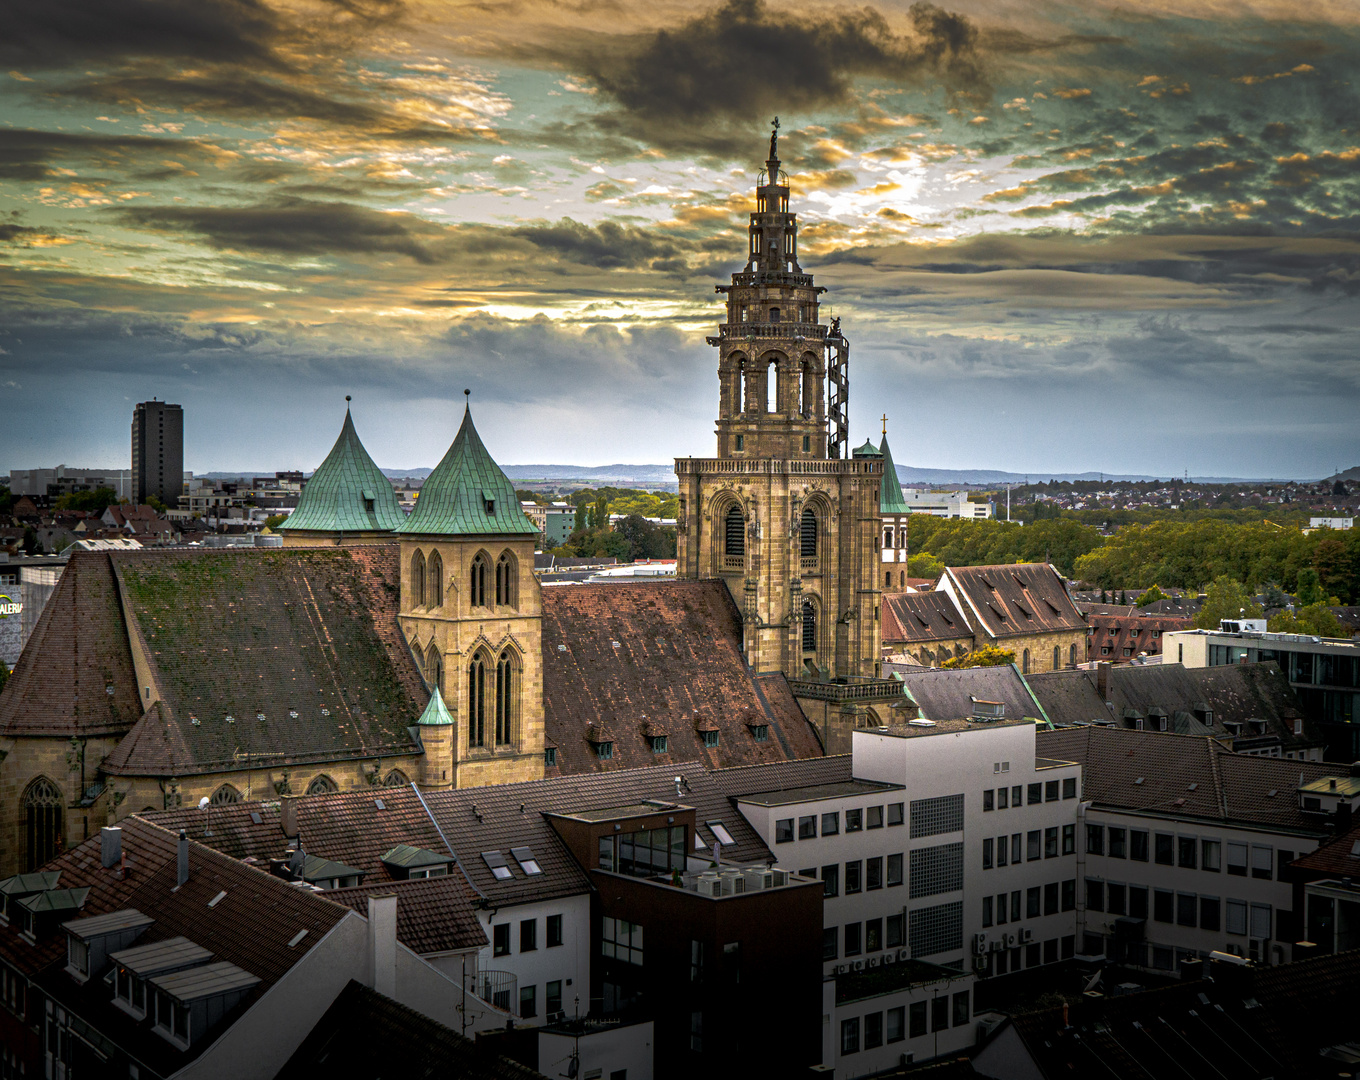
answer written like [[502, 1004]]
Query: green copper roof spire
[[347, 493], [467, 494], [435, 714], [890, 499], [867, 450]]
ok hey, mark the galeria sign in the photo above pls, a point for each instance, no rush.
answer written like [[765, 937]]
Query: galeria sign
[[9, 606]]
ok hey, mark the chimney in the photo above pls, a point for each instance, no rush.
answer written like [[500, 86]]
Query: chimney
[[110, 846], [1103, 680], [288, 816], [382, 943], [182, 874]]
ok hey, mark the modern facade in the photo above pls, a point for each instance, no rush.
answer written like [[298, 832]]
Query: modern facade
[[65, 481], [157, 452]]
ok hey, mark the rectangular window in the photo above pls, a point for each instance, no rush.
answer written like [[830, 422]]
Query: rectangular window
[[892, 932], [1032, 845], [935, 929], [873, 935], [1017, 795], [874, 816], [1262, 863], [528, 1001], [1138, 845], [500, 939], [1069, 894], [1035, 794], [1095, 894], [696, 961], [1187, 909], [853, 933], [1000, 909], [830, 947], [831, 823], [1050, 791], [1164, 849], [1237, 859], [783, 831], [873, 872], [1016, 857], [987, 854], [1237, 917], [621, 940], [962, 1014], [896, 1027], [1070, 787], [1015, 906], [989, 800], [1163, 905], [710, 739], [853, 880], [1001, 799], [1095, 839], [897, 813], [873, 1030], [659, 744], [528, 935], [1051, 842], [1118, 842], [854, 820], [1002, 850], [1114, 899], [931, 817], [1051, 898], [986, 911], [831, 880], [850, 1036], [552, 997], [1033, 899], [936, 870], [894, 870], [916, 1017], [939, 1013], [1208, 913], [696, 1019], [1260, 921], [1282, 860], [1187, 852], [1069, 834], [807, 827], [554, 930], [1138, 902]]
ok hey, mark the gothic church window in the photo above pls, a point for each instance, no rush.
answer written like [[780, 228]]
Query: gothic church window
[[477, 701], [434, 667], [42, 821], [224, 796], [807, 535], [1057, 657], [417, 579], [504, 684], [396, 778], [477, 582], [1024, 669], [505, 581], [434, 581], [734, 531], [809, 627], [322, 785]]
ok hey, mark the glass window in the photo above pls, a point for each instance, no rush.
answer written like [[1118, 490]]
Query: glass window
[[850, 1035], [1114, 899], [1095, 894], [783, 831], [528, 935], [987, 853], [1015, 906], [1017, 796], [1187, 852], [1051, 898], [1208, 913], [989, 800], [873, 1030], [1016, 857], [1138, 902], [962, 1014], [1260, 921], [1036, 794], [1237, 917], [1117, 838], [1000, 909], [893, 938], [916, 1016], [875, 816], [852, 939], [1001, 799], [1163, 905], [854, 820], [1070, 787], [1002, 850], [831, 823], [831, 880], [986, 911], [552, 996], [896, 1027], [1050, 791], [939, 1013], [1237, 859], [1138, 845], [554, 930], [1187, 909], [897, 813], [1069, 835], [500, 939], [829, 942], [1051, 842], [1069, 894], [1032, 845], [1032, 901], [528, 1001], [807, 827], [1262, 864], [696, 961], [1163, 849], [873, 935], [621, 940], [894, 870], [853, 880], [1095, 839], [873, 872]]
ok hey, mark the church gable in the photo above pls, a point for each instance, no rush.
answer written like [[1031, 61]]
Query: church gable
[[660, 659], [268, 657]]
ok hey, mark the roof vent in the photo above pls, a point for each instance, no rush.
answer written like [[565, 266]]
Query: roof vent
[[921, 721], [1138, 781]]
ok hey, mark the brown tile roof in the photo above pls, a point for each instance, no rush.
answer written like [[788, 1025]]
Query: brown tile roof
[[1024, 598], [912, 618], [1185, 776], [1137, 633], [1336, 858], [306, 638], [623, 655], [434, 915], [78, 651]]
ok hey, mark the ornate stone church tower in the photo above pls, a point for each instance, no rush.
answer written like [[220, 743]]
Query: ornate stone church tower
[[788, 522]]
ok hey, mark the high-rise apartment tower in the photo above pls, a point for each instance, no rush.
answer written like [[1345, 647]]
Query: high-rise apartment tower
[[157, 452]]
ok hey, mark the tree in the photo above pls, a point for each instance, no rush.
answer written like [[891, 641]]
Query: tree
[[580, 518], [1150, 596], [924, 566], [4, 674], [94, 502], [1339, 490], [599, 518], [987, 656], [32, 545], [1315, 619], [1226, 598], [273, 521], [6, 501], [646, 540], [1310, 588]]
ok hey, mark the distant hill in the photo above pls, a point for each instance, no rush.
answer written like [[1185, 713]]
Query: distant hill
[[910, 475], [1351, 476]]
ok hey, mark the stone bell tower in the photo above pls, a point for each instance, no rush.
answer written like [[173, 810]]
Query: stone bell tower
[[780, 515]]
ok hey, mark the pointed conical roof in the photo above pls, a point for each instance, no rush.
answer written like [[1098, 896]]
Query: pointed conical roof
[[867, 450], [467, 494], [347, 493], [435, 714], [890, 499]]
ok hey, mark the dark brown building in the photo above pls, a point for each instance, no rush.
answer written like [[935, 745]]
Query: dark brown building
[[157, 452]]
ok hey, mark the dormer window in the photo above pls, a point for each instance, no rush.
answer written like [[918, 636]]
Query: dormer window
[[489, 503], [495, 862], [172, 1019]]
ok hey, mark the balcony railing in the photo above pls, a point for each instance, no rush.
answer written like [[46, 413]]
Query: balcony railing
[[867, 690], [776, 466], [738, 331]]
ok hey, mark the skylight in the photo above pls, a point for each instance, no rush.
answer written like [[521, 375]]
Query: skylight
[[720, 831], [495, 861], [526, 861]]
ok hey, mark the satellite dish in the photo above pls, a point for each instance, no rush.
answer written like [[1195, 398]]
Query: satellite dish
[[203, 803]]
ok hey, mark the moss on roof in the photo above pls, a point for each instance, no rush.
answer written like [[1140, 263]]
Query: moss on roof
[[348, 493]]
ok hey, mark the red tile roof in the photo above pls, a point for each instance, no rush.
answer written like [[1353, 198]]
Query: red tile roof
[[913, 618], [1138, 633], [1023, 598], [434, 915]]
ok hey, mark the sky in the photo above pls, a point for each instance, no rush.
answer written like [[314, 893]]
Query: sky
[[1061, 237]]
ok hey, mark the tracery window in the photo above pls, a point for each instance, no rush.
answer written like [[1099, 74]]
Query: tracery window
[[477, 582], [42, 821], [434, 581]]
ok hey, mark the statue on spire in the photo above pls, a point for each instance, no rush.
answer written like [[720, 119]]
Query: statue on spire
[[774, 140]]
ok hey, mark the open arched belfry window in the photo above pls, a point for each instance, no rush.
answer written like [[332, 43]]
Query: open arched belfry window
[[434, 581], [807, 535], [505, 681], [734, 531], [505, 581], [477, 582], [809, 626], [417, 579], [477, 701]]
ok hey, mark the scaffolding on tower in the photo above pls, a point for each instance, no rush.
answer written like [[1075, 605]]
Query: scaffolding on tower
[[838, 392]]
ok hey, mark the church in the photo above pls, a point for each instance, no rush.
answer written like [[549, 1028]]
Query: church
[[376, 649]]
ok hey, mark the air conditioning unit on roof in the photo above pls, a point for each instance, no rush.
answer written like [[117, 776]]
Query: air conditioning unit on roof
[[1011, 939], [859, 965], [887, 958], [1026, 935], [905, 954]]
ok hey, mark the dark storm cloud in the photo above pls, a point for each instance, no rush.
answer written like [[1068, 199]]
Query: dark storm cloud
[[744, 60], [26, 154], [607, 245]]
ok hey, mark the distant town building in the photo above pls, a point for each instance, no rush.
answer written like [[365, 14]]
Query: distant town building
[[1331, 522], [53, 483], [1123, 636], [157, 452], [946, 504]]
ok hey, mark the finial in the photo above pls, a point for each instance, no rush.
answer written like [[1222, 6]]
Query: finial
[[467, 393], [348, 399], [885, 425]]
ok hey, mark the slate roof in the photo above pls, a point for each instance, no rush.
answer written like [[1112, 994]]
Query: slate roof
[[948, 694], [661, 653], [333, 500], [453, 497], [367, 1036], [916, 618], [1185, 776], [77, 652], [1023, 598], [434, 915], [890, 499], [272, 632]]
